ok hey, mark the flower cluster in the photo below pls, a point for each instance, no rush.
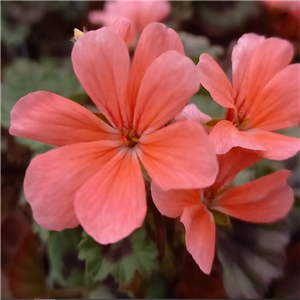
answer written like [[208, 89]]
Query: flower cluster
[[95, 176]]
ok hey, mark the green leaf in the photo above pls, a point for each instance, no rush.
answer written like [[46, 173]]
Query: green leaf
[[25, 76], [252, 256], [121, 260], [66, 269], [207, 105], [43, 233]]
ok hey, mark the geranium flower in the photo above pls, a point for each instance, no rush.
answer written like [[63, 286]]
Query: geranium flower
[[263, 200], [94, 177], [140, 13], [264, 97]]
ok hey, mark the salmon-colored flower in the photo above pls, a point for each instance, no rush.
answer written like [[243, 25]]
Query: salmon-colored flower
[[264, 97], [263, 200], [141, 13], [94, 177]]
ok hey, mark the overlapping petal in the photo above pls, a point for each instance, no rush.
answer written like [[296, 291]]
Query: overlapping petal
[[151, 11], [155, 39], [122, 27], [192, 113], [215, 81], [225, 136], [166, 88], [277, 146], [112, 203], [173, 202], [101, 62], [278, 104], [179, 156], [270, 57], [200, 235], [233, 162], [53, 178], [263, 200], [55, 120], [241, 57]]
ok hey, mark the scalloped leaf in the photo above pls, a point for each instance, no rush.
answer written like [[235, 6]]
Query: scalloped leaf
[[252, 256], [66, 269], [135, 253]]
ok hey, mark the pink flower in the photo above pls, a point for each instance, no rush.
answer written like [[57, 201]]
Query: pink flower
[[263, 200], [140, 13], [94, 177], [264, 97], [192, 113]]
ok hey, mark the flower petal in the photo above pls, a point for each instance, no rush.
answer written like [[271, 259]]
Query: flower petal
[[277, 146], [151, 11], [166, 88], [112, 204], [122, 27], [179, 156], [155, 39], [233, 162], [52, 119], [101, 62], [192, 113], [215, 81], [226, 136], [270, 56], [53, 178], [241, 57], [263, 200], [278, 104], [172, 203], [200, 235]]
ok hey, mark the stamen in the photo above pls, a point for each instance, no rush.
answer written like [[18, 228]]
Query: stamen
[[129, 137]]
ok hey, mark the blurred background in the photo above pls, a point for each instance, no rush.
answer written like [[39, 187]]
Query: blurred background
[[252, 261]]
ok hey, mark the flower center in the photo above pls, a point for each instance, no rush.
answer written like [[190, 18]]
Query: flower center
[[241, 122], [129, 137]]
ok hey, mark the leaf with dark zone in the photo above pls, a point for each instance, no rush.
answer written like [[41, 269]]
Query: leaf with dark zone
[[67, 269], [252, 256], [136, 253]]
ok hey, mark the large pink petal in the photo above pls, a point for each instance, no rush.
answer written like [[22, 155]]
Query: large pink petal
[[200, 235], [154, 41], [263, 200], [215, 81], [241, 57], [53, 178], [231, 163], [270, 56], [113, 203], [225, 136], [278, 104], [166, 88], [179, 156], [277, 146], [101, 62], [172, 203], [52, 119]]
